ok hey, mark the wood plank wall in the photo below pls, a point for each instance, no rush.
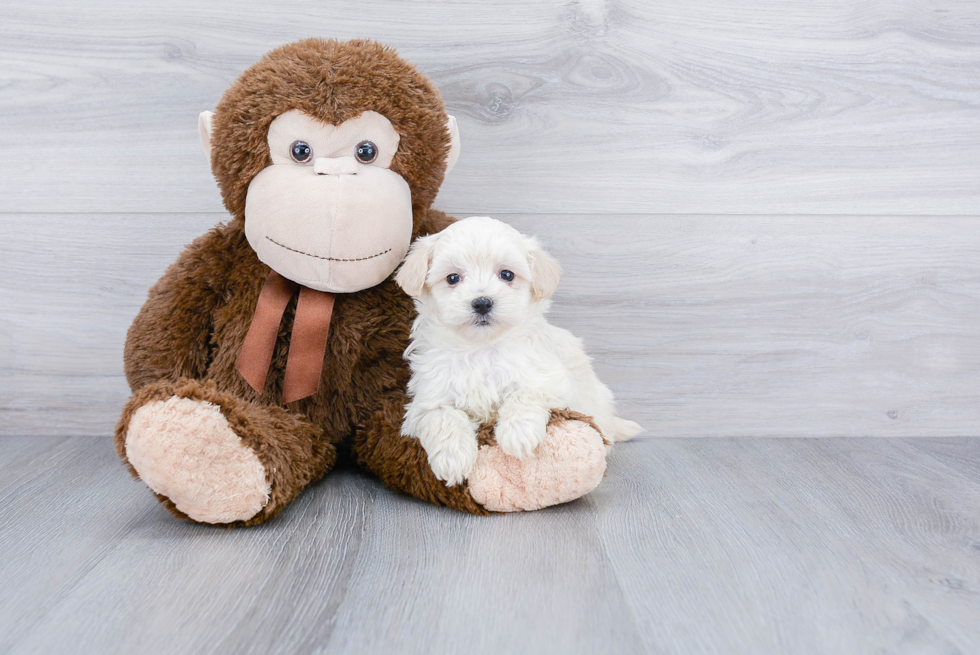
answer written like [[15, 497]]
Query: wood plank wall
[[767, 211]]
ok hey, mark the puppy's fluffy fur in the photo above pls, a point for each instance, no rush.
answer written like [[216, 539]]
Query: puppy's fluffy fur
[[482, 349]]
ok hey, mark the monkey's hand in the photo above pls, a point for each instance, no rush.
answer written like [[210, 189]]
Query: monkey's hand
[[567, 465]]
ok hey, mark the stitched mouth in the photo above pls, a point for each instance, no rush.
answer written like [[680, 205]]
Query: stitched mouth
[[329, 259]]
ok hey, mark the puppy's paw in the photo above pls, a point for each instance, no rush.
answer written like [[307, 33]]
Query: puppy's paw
[[449, 440], [520, 435], [452, 461]]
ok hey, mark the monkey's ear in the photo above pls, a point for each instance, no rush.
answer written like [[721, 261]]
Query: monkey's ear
[[453, 143], [204, 128], [545, 270], [411, 276]]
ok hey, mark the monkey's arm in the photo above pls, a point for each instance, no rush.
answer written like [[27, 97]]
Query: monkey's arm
[[168, 339], [401, 462], [381, 378]]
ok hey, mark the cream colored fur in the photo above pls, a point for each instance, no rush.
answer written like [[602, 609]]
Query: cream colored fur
[[509, 366], [204, 121], [338, 232], [503, 483], [333, 223], [205, 118], [185, 450], [332, 141]]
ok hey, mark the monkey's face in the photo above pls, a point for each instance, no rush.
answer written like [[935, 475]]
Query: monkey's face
[[329, 213]]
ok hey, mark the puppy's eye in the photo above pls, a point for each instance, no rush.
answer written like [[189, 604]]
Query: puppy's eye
[[453, 278], [301, 152], [366, 152], [507, 276]]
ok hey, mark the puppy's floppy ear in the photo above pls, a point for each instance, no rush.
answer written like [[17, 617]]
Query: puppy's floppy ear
[[411, 276], [545, 270]]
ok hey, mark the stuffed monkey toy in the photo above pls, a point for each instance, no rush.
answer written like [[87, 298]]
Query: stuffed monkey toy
[[277, 338]]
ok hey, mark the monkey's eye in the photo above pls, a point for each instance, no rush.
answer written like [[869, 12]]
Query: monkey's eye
[[453, 278], [366, 152], [507, 276], [301, 152]]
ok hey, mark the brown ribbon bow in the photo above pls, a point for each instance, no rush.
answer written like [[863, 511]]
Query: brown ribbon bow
[[307, 344]]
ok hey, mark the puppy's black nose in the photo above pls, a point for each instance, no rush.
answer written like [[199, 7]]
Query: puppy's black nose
[[482, 305]]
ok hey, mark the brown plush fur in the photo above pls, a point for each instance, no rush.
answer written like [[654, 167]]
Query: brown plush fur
[[331, 81], [186, 339], [292, 450]]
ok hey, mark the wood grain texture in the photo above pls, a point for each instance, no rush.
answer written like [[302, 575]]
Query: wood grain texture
[[832, 107], [703, 326], [689, 546], [795, 546]]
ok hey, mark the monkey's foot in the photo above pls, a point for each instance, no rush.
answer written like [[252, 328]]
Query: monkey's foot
[[568, 465], [185, 450]]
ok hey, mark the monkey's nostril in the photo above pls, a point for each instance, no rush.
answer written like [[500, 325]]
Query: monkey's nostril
[[335, 166], [482, 305]]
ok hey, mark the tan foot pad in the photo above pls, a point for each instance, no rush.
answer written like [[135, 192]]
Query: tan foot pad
[[567, 466], [185, 450]]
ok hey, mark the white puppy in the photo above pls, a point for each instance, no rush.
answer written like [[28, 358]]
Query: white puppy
[[482, 349]]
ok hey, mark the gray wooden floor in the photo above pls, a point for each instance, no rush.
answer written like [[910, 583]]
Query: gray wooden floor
[[689, 546]]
